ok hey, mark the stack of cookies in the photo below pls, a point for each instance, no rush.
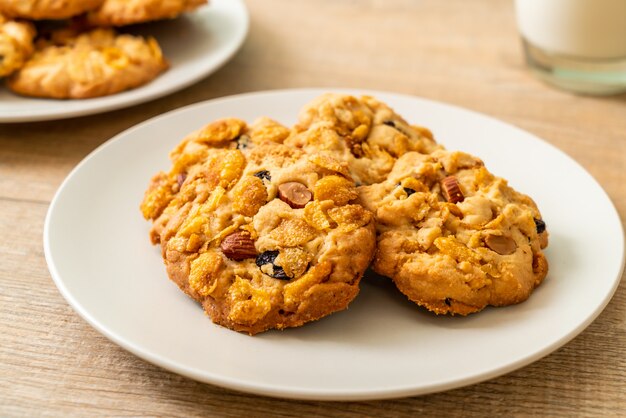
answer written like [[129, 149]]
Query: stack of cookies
[[82, 56], [270, 227]]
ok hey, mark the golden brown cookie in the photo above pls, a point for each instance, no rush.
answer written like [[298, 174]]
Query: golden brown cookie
[[261, 234], [92, 64], [364, 132], [453, 237], [128, 12], [46, 9], [16, 44]]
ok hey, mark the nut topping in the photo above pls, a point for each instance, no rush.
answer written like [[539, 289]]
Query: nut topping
[[294, 194], [500, 244], [180, 179], [238, 246], [451, 190]]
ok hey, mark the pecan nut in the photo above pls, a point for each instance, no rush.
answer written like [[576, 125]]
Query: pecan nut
[[451, 190]]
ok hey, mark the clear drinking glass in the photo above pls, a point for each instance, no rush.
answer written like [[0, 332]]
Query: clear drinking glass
[[578, 45]]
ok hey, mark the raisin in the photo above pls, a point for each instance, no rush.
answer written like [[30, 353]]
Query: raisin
[[398, 127], [408, 191], [268, 257], [243, 141], [263, 175], [447, 301], [541, 225], [284, 312], [279, 273]]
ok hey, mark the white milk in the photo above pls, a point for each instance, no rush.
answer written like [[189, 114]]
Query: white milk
[[578, 28]]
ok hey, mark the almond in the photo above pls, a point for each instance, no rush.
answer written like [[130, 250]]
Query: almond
[[501, 244], [451, 190], [180, 179], [238, 246], [295, 194]]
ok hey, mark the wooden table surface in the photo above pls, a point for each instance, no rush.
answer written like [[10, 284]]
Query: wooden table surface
[[52, 363]]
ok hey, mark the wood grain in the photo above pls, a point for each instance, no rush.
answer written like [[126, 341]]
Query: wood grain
[[466, 53]]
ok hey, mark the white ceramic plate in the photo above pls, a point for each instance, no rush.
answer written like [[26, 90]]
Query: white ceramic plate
[[383, 346], [196, 45]]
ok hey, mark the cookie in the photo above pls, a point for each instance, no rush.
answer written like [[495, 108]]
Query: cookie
[[46, 9], [261, 234], [16, 44], [92, 64], [453, 237], [128, 12], [364, 132]]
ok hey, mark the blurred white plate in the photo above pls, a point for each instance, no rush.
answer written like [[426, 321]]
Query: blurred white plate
[[383, 346], [196, 45]]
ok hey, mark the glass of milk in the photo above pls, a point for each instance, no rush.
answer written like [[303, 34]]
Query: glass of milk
[[579, 45]]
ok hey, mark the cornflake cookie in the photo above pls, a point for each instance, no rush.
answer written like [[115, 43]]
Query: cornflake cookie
[[127, 12], [261, 234], [92, 64], [16, 44], [453, 237], [46, 9], [364, 132]]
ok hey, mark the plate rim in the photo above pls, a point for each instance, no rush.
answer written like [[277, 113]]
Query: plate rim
[[60, 114], [284, 392]]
